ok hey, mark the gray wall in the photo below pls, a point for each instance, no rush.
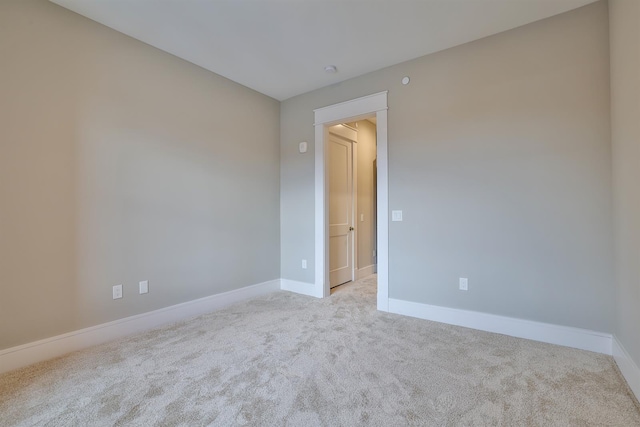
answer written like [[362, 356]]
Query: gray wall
[[120, 163], [625, 115], [500, 158]]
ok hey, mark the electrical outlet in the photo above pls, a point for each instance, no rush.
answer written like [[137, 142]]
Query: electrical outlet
[[143, 287], [304, 263], [464, 284], [117, 292]]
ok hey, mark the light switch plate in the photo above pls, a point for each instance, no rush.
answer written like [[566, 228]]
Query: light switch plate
[[143, 287], [396, 215]]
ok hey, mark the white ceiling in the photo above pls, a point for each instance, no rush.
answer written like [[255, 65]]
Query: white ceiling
[[280, 47]]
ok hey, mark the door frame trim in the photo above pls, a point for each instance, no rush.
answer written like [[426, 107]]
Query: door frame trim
[[348, 111]]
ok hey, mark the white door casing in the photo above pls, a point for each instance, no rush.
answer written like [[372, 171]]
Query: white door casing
[[341, 236], [348, 111]]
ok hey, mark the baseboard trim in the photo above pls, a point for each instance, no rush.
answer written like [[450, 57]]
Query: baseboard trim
[[365, 271], [48, 348], [299, 287], [628, 367], [554, 334]]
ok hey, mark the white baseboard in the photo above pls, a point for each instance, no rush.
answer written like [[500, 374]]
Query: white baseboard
[[554, 334], [628, 367], [48, 348], [365, 271], [299, 287]]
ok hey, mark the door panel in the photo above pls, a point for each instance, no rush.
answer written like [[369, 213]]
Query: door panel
[[338, 245], [339, 183], [340, 211]]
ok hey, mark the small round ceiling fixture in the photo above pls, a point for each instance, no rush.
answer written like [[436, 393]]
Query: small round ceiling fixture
[[331, 69], [405, 80]]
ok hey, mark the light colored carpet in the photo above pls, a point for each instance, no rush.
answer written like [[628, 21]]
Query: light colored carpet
[[287, 359]]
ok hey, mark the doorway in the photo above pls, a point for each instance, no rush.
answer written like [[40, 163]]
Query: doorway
[[352, 196], [373, 105]]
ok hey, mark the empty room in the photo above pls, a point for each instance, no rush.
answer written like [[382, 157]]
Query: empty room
[[319, 212]]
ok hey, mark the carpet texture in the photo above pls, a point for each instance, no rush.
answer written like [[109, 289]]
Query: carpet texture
[[291, 360]]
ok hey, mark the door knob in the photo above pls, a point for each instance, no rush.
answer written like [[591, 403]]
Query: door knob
[[351, 229]]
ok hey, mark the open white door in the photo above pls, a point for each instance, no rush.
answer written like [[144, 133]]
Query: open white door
[[340, 210]]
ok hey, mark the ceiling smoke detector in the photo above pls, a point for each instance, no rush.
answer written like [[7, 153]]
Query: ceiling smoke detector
[[331, 69]]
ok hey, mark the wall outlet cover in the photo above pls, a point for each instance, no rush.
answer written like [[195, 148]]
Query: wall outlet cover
[[117, 292]]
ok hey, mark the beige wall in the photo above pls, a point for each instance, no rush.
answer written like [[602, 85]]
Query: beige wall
[[500, 157], [120, 163], [625, 126], [366, 193]]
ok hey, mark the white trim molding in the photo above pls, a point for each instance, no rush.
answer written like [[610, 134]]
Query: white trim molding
[[628, 367], [48, 348], [348, 111], [365, 271], [583, 339], [382, 207], [299, 287], [351, 109]]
